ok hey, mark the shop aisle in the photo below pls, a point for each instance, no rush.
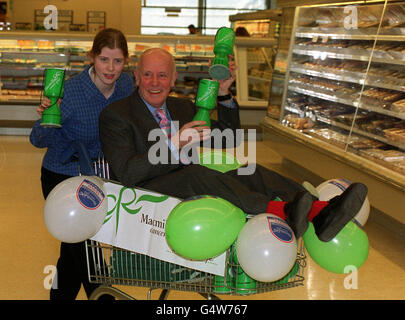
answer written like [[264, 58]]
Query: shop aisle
[[28, 252]]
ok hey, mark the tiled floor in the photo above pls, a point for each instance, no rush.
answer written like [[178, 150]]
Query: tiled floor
[[28, 252]]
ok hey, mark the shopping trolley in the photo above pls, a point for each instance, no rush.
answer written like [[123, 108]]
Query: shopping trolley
[[112, 266], [116, 266]]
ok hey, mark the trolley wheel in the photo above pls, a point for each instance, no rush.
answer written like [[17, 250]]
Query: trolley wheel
[[163, 295], [209, 296], [116, 293]]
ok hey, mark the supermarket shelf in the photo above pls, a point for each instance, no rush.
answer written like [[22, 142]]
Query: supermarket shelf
[[351, 76], [394, 34], [26, 55], [361, 132], [320, 52], [342, 98], [85, 36]]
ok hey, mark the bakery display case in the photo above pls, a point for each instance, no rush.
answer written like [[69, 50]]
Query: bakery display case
[[343, 105], [25, 56]]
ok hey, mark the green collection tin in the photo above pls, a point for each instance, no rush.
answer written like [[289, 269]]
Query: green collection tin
[[223, 46], [53, 90], [206, 99]]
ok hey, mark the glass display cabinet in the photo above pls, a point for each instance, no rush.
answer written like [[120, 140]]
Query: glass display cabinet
[[259, 61], [255, 70], [343, 103]]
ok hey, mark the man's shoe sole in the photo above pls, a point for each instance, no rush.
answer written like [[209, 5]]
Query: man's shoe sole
[[340, 211]]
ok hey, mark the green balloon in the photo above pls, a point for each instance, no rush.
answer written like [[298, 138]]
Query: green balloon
[[349, 248], [218, 160], [203, 227]]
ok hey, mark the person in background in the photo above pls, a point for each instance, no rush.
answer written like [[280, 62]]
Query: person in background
[[192, 29], [241, 32], [85, 95], [125, 126]]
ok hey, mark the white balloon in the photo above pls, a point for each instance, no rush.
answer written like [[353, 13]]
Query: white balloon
[[266, 248], [76, 208], [334, 187]]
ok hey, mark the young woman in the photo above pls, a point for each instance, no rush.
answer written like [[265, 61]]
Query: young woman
[[85, 95]]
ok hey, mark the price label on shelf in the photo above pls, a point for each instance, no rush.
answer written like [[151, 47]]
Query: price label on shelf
[[196, 48], [182, 49], [46, 44], [209, 50], [139, 48], [26, 44], [168, 48]]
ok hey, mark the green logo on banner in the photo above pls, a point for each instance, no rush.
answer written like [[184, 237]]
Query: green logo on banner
[[126, 205]]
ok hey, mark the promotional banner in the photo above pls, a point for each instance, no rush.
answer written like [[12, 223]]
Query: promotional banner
[[136, 220]]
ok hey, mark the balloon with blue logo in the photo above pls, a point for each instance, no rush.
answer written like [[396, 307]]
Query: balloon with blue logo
[[266, 248], [76, 208]]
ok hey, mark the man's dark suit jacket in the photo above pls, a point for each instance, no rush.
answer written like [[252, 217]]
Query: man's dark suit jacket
[[124, 129]]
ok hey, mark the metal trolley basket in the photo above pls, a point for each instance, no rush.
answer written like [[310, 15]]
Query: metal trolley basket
[[109, 265]]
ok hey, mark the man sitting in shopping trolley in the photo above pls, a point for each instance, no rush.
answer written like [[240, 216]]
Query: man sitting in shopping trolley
[[125, 128], [128, 131]]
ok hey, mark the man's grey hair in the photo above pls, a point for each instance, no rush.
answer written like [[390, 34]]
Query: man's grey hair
[[152, 50]]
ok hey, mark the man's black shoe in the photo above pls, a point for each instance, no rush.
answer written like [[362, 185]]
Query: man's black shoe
[[340, 210], [297, 212]]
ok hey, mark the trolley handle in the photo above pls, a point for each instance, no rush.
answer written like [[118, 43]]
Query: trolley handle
[[77, 151]]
